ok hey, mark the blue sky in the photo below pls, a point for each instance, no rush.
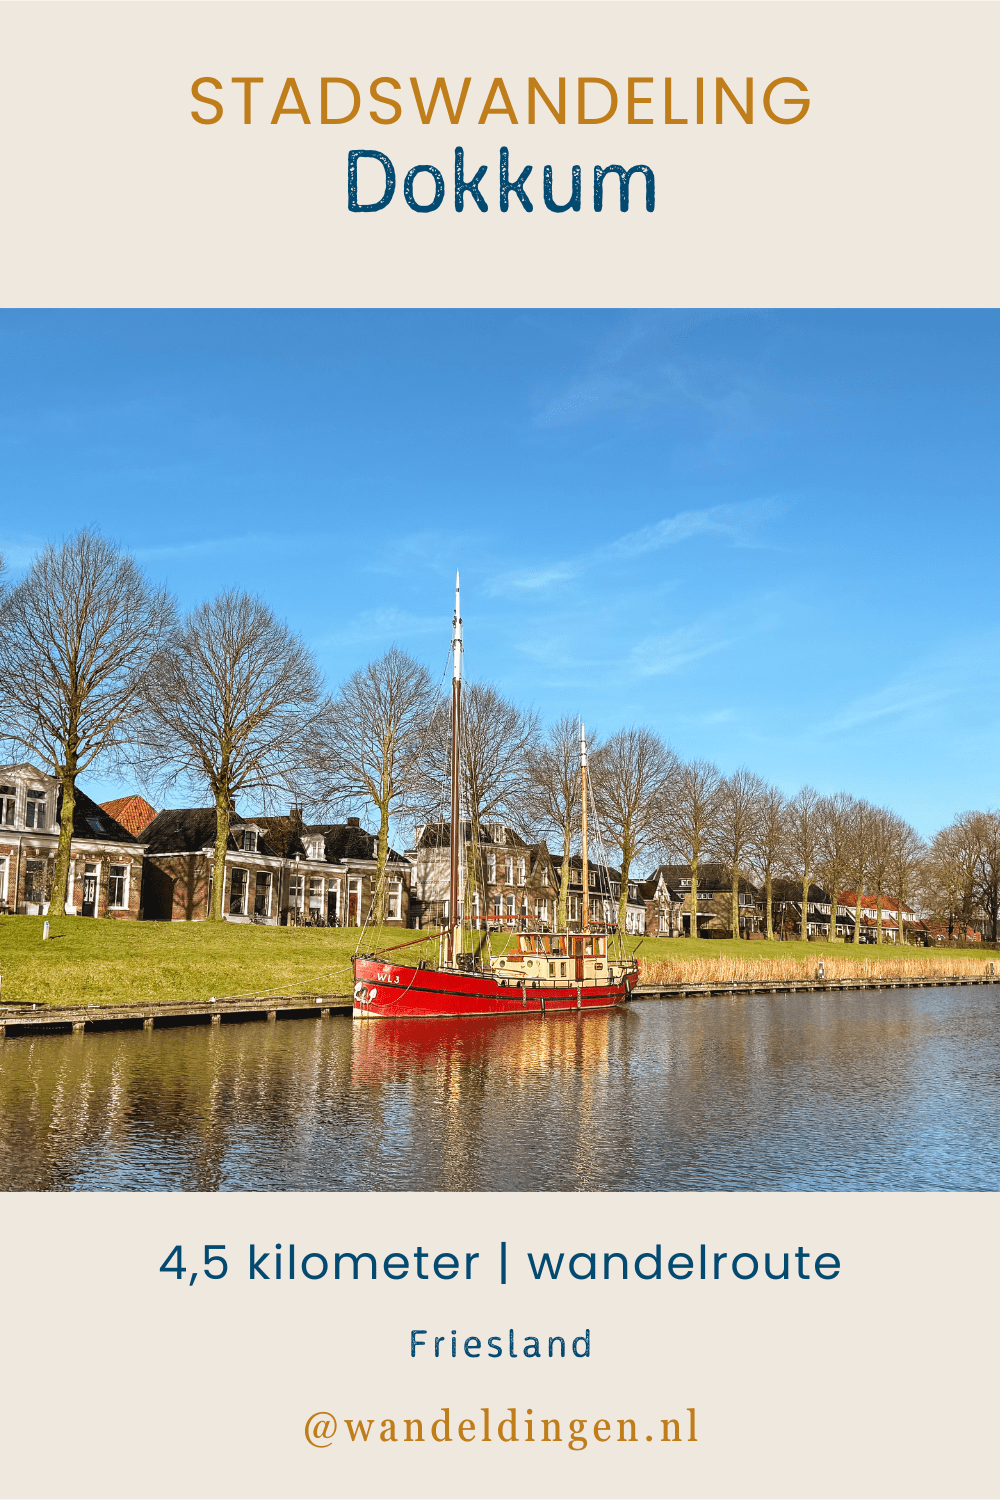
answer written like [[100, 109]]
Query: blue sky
[[771, 536]]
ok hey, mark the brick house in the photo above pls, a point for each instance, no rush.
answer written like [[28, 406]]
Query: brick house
[[279, 871], [105, 875], [520, 881], [666, 895]]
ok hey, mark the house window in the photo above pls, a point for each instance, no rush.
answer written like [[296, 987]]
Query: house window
[[392, 906], [508, 872], [34, 813], [510, 906], [315, 892], [520, 872], [592, 879], [3, 880], [475, 903], [262, 894], [249, 844], [296, 887], [491, 868], [238, 893], [524, 906], [496, 906], [7, 795], [34, 880], [545, 875], [116, 885]]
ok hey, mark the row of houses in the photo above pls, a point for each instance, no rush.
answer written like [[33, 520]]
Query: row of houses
[[129, 861]]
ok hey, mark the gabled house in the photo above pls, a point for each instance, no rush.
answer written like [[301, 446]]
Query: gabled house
[[667, 895], [519, 880], [336, 869], [604, 884], [105, 875], [279, 871]]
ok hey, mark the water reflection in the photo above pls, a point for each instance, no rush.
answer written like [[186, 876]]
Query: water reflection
[[893, 1091]]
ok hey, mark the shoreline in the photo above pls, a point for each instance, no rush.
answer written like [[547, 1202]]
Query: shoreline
[[63, 1020]]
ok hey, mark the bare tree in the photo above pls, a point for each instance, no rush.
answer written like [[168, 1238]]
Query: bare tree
[[231, 705], [833, 856], [375, 746], [859, 853], [768, 850], [804, 844], [949, 874], [987, 891], [630, 773], [906, 852], [79, 633], [690, 819], [740, 798], [880, 861], [497, 739], [553, 792]]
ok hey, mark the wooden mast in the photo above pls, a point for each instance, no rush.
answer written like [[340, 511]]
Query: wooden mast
[[455, 928], [585, 915]]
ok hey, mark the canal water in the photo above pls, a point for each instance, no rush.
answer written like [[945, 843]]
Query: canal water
[[886, 1091]]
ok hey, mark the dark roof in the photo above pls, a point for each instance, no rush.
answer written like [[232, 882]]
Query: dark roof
[[341, 841], [184, 830], [345, 842], [438, 835], [90, 821]]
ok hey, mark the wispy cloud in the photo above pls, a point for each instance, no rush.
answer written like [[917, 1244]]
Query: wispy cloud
[[660, 653], [739, 524]]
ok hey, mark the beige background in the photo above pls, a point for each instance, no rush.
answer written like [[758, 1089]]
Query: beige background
[[113, 196], [117, 1380]]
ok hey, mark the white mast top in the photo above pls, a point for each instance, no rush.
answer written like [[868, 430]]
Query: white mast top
[[456, 640], [583, 747]]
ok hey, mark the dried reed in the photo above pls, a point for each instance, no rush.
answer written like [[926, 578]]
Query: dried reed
[[729, 970]]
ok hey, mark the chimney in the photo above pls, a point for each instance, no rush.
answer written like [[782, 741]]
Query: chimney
[[354, 822]]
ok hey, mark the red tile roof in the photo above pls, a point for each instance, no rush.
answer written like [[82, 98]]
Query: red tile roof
[[133, 813]]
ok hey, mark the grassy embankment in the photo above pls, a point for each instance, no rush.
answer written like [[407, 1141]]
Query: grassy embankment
[[109, 962]]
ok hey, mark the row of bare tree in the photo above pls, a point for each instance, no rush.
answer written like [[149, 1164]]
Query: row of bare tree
[[98, 668]]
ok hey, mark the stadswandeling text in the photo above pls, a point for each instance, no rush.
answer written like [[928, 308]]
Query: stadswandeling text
[[647, 100]]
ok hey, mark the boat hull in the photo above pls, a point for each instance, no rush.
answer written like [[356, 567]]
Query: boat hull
[[384, 989]]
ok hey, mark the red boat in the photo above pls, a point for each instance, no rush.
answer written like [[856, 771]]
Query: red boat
[[538, 972]]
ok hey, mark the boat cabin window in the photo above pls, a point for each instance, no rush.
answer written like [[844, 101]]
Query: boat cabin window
[[556, 945], [524, 944]]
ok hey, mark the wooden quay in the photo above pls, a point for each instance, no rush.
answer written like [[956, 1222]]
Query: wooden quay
[[27, 1020], [808, 986]]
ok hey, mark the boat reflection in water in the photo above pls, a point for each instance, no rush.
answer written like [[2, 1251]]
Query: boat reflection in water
[[887, 1092], [392, 1050]]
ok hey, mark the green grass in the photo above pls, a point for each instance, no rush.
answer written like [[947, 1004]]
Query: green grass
[[665, 949], [106, 962]]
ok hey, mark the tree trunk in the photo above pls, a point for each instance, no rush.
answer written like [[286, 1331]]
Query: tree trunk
[[736, 901], [219, 864], [857, 918], [804, 924], [694, 897], [563, 882], [769, 911], [378, 895], [878, 917], [60, 876], [622, 895]]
